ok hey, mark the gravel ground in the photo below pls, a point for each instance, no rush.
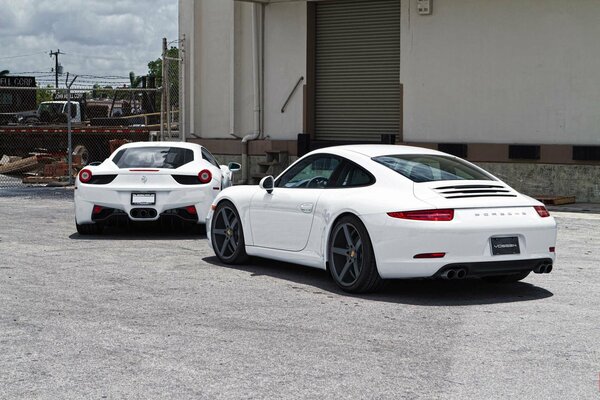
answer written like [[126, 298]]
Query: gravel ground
[[142, 314]]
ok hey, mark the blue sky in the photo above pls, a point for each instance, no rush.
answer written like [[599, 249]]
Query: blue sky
[[100, 38]]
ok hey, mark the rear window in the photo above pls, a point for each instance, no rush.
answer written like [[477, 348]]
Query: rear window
[[429, 168], [153, 157]]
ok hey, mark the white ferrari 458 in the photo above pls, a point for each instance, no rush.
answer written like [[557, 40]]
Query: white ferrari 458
[[144, 181], [373, 212]]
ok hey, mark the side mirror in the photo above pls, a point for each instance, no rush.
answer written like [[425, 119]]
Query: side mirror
[[234, 167], [267, 183]]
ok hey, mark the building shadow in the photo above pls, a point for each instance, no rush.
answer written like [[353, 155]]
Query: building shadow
[[421, 292]]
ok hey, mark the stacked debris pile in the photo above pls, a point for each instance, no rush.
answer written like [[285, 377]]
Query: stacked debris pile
[[39, 167]]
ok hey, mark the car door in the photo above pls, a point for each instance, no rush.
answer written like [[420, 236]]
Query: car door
[[283, 219]]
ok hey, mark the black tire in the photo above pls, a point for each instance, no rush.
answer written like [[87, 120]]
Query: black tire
[[351, 258], [506, 278], [89, 229], [82, 151], [227, 235]]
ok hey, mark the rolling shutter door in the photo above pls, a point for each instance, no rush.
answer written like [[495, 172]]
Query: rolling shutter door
[[357, 93]]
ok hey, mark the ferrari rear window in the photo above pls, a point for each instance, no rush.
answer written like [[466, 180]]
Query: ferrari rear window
[[153, 157], [429, 168]]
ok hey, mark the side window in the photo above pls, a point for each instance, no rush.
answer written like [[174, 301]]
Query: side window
[[312, 172], [209, 157], [353, 176]]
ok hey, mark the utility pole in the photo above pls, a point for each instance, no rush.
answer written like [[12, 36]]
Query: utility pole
[[55, 55]]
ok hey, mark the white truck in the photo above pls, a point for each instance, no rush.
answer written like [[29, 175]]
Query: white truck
[[52, 112]]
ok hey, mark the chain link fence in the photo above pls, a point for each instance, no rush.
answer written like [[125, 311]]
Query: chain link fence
[[35, 131], [47, 135]]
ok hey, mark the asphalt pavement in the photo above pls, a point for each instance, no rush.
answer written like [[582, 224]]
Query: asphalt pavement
[[151, 315]]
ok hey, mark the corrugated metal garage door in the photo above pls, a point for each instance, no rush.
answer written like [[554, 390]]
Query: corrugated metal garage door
[[357, 69]]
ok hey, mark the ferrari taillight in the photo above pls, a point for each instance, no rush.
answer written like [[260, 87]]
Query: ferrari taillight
[[85, 175], [542, 212], [191, 210], [204, 176], [424, 215]]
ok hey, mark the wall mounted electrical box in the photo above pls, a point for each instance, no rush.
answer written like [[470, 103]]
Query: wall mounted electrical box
[[424, 7]]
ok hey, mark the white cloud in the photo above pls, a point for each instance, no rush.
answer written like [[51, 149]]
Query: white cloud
[[98, 37]]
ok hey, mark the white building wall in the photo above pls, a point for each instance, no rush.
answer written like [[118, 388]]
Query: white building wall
[[482, 71], [213, 68], [221, 78], [511, 71], [285, 63]]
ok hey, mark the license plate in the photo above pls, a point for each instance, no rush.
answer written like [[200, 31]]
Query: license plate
[[143, 199], [505, 245]]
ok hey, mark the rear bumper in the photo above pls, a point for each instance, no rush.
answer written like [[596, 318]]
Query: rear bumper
[[466, 240], [167, 198], [490, 268]]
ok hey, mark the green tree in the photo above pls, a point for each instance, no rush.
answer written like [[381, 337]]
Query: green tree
[[43, 94], [4, 72], [155, 67], [135, 81]]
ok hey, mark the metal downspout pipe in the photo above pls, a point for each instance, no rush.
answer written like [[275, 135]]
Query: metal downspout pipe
[[258, 71]]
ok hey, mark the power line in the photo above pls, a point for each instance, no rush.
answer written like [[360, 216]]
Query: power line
[[22, 55]]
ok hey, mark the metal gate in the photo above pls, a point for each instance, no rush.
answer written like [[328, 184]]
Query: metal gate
[[357, 89]]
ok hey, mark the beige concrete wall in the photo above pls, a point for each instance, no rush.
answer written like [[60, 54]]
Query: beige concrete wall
[[510, 71], [285, 63], [479, 71]]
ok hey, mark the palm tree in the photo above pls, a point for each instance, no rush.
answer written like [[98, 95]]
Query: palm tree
[[4, 72], [135, 81]]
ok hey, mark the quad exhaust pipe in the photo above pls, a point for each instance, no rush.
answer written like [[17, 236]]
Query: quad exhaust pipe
[[454, 273], [543, 268]]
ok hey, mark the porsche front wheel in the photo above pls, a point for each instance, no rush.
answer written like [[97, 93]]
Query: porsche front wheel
[[227, 236]]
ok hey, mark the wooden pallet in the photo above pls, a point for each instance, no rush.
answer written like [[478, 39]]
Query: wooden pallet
[[556, 200], [20, 166]]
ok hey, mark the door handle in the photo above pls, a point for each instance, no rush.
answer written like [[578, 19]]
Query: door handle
[[306, 208]]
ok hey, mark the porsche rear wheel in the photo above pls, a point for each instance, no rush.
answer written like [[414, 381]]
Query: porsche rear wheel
[[89, 229], [227, 236], [351, 259]]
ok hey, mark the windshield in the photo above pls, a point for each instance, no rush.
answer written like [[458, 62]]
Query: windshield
[[52, 108], [429, 168], [153, 157]]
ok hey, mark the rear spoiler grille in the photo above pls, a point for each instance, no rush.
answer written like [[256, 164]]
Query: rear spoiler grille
[[467, 191]]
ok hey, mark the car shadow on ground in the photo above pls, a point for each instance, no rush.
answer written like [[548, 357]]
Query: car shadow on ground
[[421, 292], [145, 231]]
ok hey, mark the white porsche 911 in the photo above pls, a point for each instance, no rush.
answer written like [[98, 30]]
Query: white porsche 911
[[373, 212], [146, 180]]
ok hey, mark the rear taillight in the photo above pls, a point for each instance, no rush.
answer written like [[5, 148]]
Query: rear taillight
[[191, 210], [542, 212], [97, 210], [204, 176], [552, 249], [85, 175], [424, 215]]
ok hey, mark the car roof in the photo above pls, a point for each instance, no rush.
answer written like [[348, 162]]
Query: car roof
[[375, 150]]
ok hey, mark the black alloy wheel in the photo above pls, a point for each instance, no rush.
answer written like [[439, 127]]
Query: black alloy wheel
[[227, 236], [351, 259]]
